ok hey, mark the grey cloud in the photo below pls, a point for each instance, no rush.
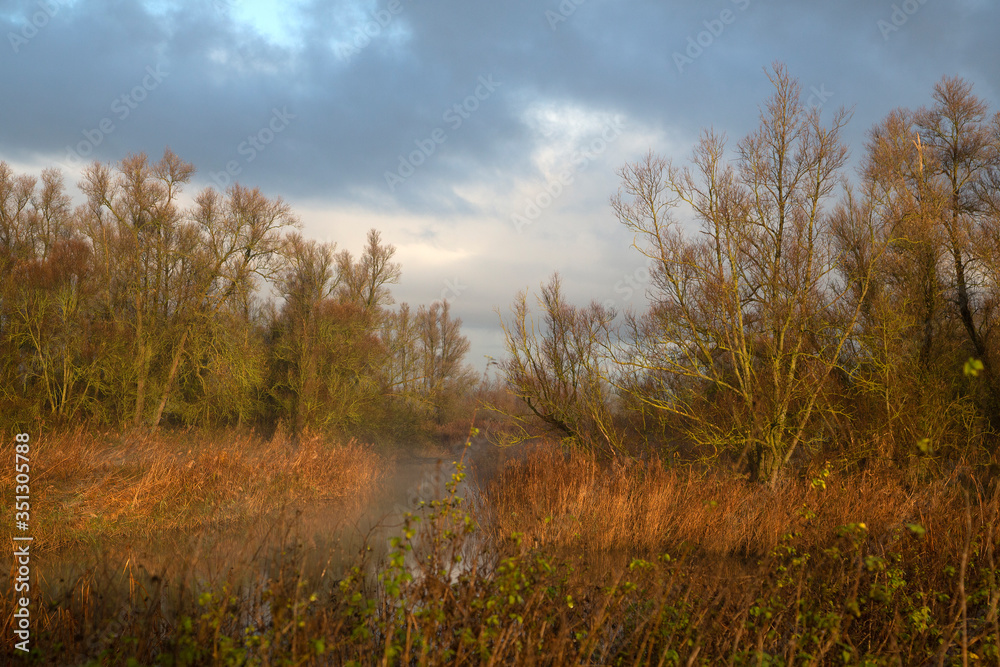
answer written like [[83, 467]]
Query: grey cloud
[[355, 116]]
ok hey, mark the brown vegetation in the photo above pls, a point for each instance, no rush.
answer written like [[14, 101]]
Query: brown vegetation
[[131, 311], [888, 590], [795, 313], [570, 501], [106, 487]]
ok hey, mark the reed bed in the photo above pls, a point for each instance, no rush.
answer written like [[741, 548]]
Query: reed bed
[[566, 560], [570, 500], [89, 487]]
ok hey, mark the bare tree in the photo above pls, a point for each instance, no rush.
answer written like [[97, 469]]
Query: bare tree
[[747, 322], [237, 242], [139, 237], [308, 281], [47, 293], [556, 369], [441, 349], [903, 351], [959, 156], [366, 280], [168, 272], [400, 337], [16, 194]]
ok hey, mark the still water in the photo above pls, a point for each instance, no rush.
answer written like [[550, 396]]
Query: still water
[[319, 540]]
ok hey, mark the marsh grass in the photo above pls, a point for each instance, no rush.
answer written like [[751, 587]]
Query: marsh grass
[[88, 487], [558, 499], [827, 570]]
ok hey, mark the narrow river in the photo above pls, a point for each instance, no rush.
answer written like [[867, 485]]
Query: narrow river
[[322, 538]]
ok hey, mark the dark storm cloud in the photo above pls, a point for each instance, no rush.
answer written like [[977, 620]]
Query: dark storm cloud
[[323, 114], [355, 116]]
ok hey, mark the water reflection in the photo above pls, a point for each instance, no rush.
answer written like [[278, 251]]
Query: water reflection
[[323, 539]]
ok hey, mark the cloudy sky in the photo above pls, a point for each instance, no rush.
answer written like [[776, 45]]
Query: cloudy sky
[[447, 125]]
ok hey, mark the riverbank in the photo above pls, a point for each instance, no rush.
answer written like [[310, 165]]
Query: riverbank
[[533, 556]]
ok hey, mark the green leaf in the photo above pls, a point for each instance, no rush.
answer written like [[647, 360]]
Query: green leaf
[[973, 367]]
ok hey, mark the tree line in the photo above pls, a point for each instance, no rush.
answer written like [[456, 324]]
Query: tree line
[[796, 308], [133, 310]]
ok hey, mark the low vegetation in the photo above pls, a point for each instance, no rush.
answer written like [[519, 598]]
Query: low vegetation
[[95, 488], [837, 569], [571, 502]]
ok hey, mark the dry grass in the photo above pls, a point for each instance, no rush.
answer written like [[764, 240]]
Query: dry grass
[[89, 487], [572, 501], [825, 590]]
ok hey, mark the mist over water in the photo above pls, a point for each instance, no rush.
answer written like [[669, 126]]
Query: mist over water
[[325, 537]]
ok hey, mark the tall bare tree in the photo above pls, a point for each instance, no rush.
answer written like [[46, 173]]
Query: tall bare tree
[[959, 155], [747, 321], [556, 369], [366, 281], [308, 281], [238, 242], [143, 250], [442, 349]]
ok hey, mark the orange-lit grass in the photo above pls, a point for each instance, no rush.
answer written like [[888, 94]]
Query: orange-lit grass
[[570, 500], [836, 593], [87, 486]]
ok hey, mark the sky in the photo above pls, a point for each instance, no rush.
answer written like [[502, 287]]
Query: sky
[[482, 139]]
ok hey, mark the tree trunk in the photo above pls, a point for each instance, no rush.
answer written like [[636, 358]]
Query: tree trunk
[[140, 384], [174, 365]]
